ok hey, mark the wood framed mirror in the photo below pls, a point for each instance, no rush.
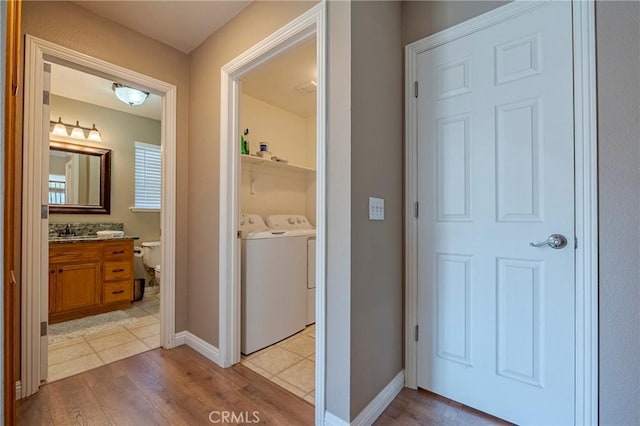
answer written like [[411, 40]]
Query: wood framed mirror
[[79, 179]]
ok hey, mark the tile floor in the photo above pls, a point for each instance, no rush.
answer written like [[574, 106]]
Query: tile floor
[[290, 364], [75, 355]]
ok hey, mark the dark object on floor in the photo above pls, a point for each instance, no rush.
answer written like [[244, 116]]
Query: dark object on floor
[[138, 289]]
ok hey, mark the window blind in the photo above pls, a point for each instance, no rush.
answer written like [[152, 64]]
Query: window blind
[[148, 179]]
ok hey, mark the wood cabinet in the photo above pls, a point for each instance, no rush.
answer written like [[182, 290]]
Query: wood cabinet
[[87, 278]]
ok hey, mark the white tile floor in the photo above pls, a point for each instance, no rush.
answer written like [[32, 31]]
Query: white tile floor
[[289, 364], [75, 355]]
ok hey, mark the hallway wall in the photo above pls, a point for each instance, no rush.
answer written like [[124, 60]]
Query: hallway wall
[[101, 38]]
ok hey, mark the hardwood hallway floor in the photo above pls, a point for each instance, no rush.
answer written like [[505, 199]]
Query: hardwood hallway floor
[[181, 387], [162, 387]]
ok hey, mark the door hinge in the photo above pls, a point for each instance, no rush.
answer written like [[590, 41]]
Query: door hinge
[[43, 328], [45, 97], [575, 243], [415, 88], [44, 211], [416, 209], [416, 334]]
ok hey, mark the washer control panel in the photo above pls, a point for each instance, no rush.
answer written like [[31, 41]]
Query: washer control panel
[[288, 221], [252, 223]]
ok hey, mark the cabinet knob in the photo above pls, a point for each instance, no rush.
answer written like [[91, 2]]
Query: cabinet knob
[[118, 270]]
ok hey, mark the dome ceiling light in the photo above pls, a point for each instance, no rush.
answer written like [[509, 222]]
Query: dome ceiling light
[[129, 95]]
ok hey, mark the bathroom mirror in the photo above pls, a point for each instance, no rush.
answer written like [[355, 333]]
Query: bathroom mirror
[[79, 179]]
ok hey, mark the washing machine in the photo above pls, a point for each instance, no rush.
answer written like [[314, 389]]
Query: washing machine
[[300, 224], [273, 283]]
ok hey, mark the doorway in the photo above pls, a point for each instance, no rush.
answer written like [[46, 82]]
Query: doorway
[[35, 296], [104, 169], [310, 24], [277, 117], [499, 323]]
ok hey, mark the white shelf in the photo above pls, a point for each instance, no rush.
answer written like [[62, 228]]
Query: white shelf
[[256, 163]]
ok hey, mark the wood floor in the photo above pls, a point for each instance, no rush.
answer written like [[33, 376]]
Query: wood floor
[[181, 387], [421, 408], [162, 387]]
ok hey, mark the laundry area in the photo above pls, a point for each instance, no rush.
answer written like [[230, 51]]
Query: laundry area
[[277, 119]]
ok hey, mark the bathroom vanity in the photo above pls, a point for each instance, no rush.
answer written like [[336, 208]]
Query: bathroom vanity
[[88, 276]]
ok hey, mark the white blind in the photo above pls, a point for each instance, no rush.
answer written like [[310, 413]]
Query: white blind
[[148, 171]]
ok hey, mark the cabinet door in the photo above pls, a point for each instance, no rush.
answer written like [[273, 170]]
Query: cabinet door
[[78, 286]]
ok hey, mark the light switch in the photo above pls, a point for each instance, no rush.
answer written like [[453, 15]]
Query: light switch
[[376, 208]]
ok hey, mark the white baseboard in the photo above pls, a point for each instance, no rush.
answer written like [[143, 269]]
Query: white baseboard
[[333, 420], [179, 338], [18, 390], [194, 342], [376, 407]]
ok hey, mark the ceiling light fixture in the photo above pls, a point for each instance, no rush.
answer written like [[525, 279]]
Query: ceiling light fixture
[[129, 95], [77, 131]]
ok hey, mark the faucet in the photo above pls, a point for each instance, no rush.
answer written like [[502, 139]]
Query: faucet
[[67, 232]]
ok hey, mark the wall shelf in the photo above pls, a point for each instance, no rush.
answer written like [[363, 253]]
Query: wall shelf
[[257, 163]]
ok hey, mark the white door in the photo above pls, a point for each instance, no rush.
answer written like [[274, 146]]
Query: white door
[[496, 172]]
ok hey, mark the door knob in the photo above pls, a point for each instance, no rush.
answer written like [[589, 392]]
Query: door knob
[[555, 241]]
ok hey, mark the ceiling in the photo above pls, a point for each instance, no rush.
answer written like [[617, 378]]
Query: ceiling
[[275, 82], [183, 25], [92, 89]]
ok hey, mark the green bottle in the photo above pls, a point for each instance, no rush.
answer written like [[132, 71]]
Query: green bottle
[[244, 144]]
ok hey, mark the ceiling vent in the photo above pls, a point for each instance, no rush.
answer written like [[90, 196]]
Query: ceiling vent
[[308, 88]]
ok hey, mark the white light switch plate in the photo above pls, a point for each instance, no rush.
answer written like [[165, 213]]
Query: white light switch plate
[[376, 208]]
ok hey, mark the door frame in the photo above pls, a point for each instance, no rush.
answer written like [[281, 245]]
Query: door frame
[[586, 195], [311, 22], [35, 230], [11, 43]]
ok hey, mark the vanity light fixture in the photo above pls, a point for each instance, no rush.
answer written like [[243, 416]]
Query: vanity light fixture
[[77, 131], [59, 128], [129, 95], [94, 134]]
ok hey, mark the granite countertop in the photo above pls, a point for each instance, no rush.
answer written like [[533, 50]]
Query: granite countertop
[[90, 238]]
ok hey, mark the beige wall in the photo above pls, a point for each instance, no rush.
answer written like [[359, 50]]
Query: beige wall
[[376, 170], [119, 131], [273, 191], [283, 131], [71, 26], [250, 26], [423, 18], [618, 34], [277, 190], [618, 64]]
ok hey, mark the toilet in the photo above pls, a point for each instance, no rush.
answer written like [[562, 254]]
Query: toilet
[[156, 274], [151, 256]]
